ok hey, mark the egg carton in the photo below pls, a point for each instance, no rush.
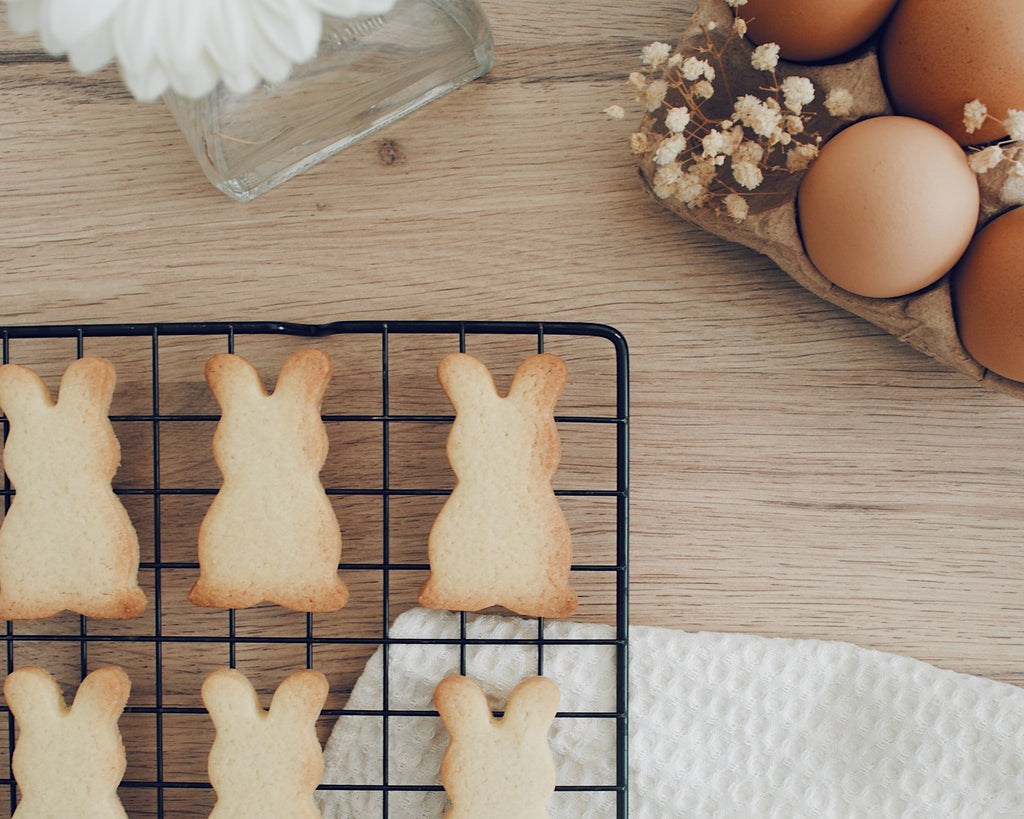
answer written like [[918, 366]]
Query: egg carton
[[923, 319]]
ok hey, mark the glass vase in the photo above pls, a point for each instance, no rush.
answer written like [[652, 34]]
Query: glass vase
[[368, 72]]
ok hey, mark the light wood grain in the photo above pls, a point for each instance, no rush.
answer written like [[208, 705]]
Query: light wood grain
[[795, 471]]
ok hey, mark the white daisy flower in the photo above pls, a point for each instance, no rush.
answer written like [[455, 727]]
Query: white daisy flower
[[184, 45]]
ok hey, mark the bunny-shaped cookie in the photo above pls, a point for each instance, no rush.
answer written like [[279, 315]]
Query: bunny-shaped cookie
[[501, 537], [270, 533], [265, 764], [66, 541], [68, 761], [497, 768]]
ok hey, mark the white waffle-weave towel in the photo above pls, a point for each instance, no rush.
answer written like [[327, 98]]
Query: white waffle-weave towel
[[720, 725]]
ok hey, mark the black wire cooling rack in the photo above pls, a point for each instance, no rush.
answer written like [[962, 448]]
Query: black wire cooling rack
[[387, 477]]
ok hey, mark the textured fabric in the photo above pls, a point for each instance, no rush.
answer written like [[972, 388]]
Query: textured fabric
[[721, 725]]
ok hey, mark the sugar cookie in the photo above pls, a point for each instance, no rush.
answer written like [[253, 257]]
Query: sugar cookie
[[66, 541], [68, 761], [271, 533], [498, 767], [501, 537], [265, 764]]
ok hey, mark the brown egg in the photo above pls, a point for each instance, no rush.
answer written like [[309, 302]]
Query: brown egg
[[988, 296], [813, 30], [888, 207], [938, 55]]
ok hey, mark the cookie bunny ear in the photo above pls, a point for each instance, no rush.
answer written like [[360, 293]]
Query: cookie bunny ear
[[532, 705], [33, 694], [466, 380], [22, 392], [462, 705], [226, 691], [300, 696], [87, 386], [539, 380], [305, 376], [102, 695], [232, 379]]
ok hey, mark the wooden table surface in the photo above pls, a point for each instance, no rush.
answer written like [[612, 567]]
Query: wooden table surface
[[795, 471]]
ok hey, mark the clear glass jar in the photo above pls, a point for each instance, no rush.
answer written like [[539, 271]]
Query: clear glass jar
[[368, 72]]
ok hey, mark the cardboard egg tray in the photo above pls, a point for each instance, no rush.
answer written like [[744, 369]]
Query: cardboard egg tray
[[923, 319]]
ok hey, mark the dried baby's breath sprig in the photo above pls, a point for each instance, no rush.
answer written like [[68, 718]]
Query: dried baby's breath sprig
[[677, 119], [736, 206], [656, 54], [840, 103], [639, 143], [709, 148], [765, 57], [986, 159], [1014, 124], [983, 160], [975, 115]]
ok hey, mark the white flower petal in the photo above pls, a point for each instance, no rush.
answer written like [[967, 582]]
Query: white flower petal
[[137, 34], [49, 41], [71, 21], [266, 60], [147, 82], [27, 16], [23, 16], [240, 82], [198, 80], [182, 50], [228, 36], [184, 33], [291, 26], [353, 8], [93, 53]]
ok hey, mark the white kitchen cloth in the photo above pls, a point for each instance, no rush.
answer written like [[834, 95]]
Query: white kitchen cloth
[[720, 725]]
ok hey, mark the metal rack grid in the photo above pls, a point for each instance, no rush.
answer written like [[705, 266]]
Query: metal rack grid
[[170, 647]]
